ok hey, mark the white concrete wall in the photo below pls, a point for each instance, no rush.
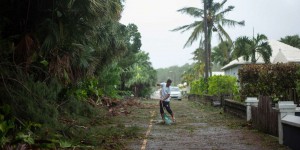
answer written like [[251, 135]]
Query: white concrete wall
[[233, 71]]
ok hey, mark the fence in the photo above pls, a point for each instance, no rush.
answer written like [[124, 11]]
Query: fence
[[235, 108], [193, 97], [264, 117], [208, 99]]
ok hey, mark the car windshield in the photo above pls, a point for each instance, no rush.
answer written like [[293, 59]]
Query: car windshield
[[175, 89]]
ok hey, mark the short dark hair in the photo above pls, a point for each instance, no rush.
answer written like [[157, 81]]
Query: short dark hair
[[169, 81]]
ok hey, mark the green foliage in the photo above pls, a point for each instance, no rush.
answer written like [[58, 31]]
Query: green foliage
[[133, 39], [220, 85], [66, 54], [273, 80], [217, 21], [29, 99], [199, 87], [293, 40], [5, 127], [142, 75], [88, 89], [75, 109], [250, 47], [13, 130], [217, 85], [215, 17], [109, 79], [178, 74], [222, 54]]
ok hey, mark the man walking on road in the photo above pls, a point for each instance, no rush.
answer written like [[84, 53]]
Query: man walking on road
[[165, 99]]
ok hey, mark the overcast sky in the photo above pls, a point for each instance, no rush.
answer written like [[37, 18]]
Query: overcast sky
[[155, 19]]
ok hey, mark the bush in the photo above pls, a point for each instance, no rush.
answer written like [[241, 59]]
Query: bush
[[275, 80], [222, 85], [32, 100], [225, 85], [198, 87]]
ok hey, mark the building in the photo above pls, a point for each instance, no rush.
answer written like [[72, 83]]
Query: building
[[281, 53]]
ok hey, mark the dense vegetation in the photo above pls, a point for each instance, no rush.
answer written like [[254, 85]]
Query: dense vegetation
[[293, 40], [175, 73], [275, 80], [57, 58], [217, 85]]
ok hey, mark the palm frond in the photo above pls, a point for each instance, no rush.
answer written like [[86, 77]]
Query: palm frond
[[197, 32], [84, 55], [231, 23], [265, 50], [221, 54], [223, 33], [261, 37], [240, 48], [228, 9], [192, 11], [188, 27]]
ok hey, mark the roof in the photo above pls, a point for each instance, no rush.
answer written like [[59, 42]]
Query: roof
[[280, 53], [215, 73]]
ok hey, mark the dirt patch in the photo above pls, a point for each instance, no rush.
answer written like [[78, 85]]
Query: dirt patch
[[197, 126]]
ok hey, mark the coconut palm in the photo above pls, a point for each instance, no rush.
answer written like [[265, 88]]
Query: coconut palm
[[215, 23], [222, 54], [249, 48]]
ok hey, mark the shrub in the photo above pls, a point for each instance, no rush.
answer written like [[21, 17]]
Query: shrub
[[275, 80], [225, 85], [198, 87], [222, 85]]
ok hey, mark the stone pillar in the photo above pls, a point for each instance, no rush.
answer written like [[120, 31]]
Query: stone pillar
[[250, 101], [284, 108]]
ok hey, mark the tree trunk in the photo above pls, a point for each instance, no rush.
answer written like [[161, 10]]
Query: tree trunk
[[253, 59], [206, 44], [209, 30], [135, 91]]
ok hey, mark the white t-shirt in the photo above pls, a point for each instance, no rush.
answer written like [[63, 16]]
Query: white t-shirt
[[165, 91]]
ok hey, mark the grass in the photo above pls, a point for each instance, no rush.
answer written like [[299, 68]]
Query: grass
[[216, 116]]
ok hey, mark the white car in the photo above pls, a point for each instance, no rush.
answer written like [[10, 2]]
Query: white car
[[175, 93]]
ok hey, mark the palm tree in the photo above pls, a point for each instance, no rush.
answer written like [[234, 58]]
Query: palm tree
[[222, 53], [293, 40], [143, 75], [63, 34], [215, 22], [199, 66], [248, 48]]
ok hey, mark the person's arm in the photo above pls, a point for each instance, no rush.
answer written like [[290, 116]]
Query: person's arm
[[168, 95]]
